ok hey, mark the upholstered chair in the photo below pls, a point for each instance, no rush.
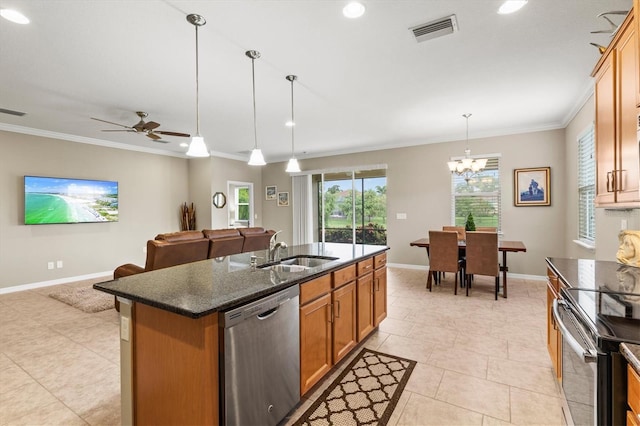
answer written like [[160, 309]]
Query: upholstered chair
[[482, 257], [443, 256]]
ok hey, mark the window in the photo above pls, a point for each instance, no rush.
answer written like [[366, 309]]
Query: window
[[480, 196], [242, 204], [586, 187]]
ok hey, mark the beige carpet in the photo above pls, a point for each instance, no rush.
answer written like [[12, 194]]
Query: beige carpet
[[84, 298], [365, 393]]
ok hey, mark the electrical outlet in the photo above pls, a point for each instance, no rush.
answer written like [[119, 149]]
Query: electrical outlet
[[623, 224], [144, 249], [50, 265], [124, 328], [59, 264], [401, 216]]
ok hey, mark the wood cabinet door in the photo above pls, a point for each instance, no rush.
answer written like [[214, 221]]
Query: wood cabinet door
[[379, 295], [605, 132], [364, 286], [344, 320], [628, 181], [315, 341]]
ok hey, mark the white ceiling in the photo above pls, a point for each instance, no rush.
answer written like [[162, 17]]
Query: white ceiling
[[362, 84]]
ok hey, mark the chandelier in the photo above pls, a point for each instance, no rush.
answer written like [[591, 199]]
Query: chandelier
[[467, 167]]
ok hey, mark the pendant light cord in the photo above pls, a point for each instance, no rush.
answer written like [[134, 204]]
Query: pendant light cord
[[255, 127], [197, 89], [293, 123]]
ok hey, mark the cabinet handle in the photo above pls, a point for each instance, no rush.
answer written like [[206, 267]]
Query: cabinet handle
[[331, 312], [609, 181], [377, 284], [338, 309]]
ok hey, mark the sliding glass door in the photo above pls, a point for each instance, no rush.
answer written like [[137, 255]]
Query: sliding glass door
[[351, 206]]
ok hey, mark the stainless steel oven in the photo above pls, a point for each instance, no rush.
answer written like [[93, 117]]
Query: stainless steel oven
[[593, 323]]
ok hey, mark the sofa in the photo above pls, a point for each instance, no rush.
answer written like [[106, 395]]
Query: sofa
[[177, 248]]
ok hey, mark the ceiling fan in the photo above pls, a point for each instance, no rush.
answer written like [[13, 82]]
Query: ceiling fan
[[147, 127]]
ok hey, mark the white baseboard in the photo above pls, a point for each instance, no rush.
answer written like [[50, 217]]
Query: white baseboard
[[23, 287], [509, 274]]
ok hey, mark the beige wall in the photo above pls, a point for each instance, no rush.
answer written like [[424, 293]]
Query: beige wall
[[151, 188], [419, 184]]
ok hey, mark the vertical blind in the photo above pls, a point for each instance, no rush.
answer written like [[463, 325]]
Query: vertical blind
[[479, 196], [586, 186]]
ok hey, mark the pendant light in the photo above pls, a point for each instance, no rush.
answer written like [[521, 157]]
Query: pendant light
[[197, 147], [467, 167], [292, 166], [256, 158]]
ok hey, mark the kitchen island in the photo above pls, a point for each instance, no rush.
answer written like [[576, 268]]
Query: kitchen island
[[170, 327]]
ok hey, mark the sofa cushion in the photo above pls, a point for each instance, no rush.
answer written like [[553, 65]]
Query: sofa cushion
[[163, 254], [255, 238], [220, 233], [223, 242], [180, 236]]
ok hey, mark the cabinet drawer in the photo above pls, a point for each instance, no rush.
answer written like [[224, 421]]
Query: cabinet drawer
[[633, 390], [315, 288], [380, 260], [365, 266], [344, 275]]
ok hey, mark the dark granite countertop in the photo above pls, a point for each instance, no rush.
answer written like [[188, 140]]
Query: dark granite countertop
[[632, 353], [201, 288], [590, 274]]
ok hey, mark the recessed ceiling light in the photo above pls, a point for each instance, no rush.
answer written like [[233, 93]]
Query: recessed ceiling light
[[511, 6], [353, 10], [14, 16]]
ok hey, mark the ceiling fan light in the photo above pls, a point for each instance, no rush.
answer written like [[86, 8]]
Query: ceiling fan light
[[510, 6], [198, 148], [256, 158], [466, 162], [452, 165], [482, 162], [293, 166]]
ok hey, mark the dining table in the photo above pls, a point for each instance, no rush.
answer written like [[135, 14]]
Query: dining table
[[504, 246]]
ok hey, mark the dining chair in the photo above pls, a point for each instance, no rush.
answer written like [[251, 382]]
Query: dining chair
[[482, 257], [443, 256], [459, 229], [486, 229]]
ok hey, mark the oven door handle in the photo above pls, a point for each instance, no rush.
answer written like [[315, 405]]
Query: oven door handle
[[587, 354]]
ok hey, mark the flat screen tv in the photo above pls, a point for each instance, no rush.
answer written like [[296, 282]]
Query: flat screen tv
[[62, 200]]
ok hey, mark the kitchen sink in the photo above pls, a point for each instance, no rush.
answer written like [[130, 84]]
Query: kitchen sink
[[298, 263]]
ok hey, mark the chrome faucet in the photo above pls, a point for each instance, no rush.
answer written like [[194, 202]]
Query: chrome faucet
[[272, 240], [273, 252]]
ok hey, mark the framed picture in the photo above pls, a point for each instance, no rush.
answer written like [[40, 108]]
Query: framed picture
[[270, 192], [283, 199], [532, 187]]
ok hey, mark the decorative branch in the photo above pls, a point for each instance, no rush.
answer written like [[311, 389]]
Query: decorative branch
[[187, 217]]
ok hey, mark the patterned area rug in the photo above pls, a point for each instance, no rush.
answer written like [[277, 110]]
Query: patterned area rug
[[365, 393], [84, 298]]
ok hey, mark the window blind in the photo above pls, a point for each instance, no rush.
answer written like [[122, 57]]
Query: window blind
[[586, 185]]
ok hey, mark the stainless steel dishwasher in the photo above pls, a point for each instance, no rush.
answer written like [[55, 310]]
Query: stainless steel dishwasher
[[260, 360]]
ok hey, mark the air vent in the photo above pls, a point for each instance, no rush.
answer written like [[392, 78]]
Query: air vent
[[434, 29], [11, 112]]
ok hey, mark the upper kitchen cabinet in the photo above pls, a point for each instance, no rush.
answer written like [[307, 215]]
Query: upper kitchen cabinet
[[617, 96]]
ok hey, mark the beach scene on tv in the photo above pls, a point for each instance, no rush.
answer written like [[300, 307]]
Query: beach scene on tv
[[61, 200]]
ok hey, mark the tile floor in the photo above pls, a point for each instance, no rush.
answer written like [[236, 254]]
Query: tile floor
[[480, 361]]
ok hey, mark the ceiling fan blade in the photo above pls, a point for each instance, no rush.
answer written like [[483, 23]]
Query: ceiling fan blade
[[153, 136], [160, 141], [150, 125], [132, 131], [111, 122], [163, 132]]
